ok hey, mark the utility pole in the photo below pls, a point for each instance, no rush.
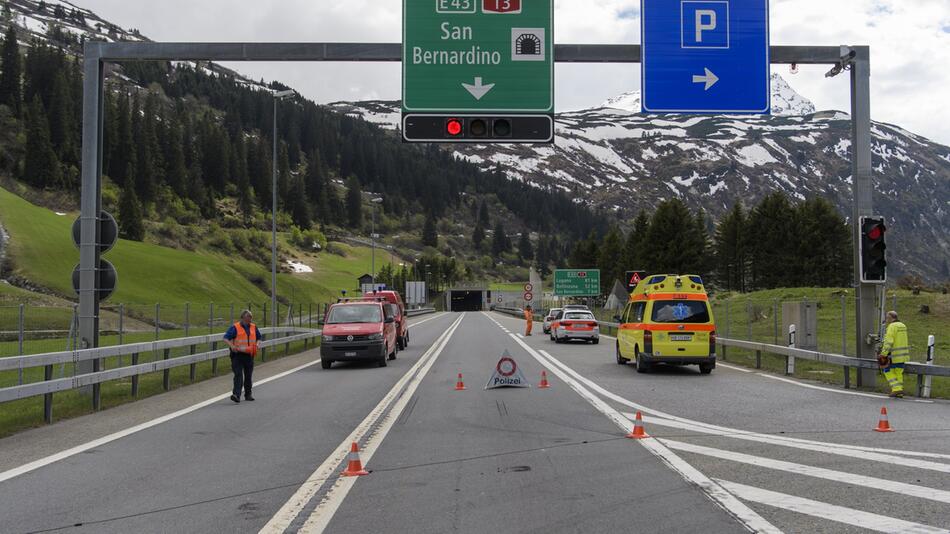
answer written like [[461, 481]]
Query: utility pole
[[279, 95]]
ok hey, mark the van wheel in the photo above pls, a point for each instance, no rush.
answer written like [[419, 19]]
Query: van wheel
[[620, 359], [326, 364], [642, 366]]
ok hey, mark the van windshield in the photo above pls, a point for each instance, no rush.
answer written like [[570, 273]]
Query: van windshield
[[680, 311], [354, 314]]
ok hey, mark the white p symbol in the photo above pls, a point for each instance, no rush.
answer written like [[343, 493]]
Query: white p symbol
[[705, 20]]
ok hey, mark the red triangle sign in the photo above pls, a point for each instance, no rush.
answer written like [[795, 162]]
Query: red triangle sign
[[635, 279]]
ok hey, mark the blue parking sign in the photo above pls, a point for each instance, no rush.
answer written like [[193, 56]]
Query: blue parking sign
[[705, 56]]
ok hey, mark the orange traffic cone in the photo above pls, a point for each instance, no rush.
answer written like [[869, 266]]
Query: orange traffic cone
[[459, 385], [354, 466], [544, 381], [638, 432], [883, 425]]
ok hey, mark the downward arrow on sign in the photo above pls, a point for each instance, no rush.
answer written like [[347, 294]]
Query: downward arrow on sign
[[478, 90]]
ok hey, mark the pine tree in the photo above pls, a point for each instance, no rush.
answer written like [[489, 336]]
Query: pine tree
[[61, 119], [41, 167], [478, 236], [483, 214], [824, 245], [297, 203], [543, 256], [354, 203], [773, 236], [611, 269], [123, 156], [430, 235], [177, 173], [500, 243], [673, 240], [11, 70], [525, 250], [634, 257], [731, 245], [131, 224]]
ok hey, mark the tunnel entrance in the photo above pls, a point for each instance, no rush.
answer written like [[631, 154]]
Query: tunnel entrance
[[466, 300]]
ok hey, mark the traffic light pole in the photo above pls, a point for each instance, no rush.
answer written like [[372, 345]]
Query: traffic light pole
[[866, 317]]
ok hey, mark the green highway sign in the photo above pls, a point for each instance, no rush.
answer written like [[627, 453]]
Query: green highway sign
[[478, 56], [577, 282]]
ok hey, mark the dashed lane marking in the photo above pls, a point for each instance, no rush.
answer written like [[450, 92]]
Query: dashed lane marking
[[901, 488], [715, 492], [830, 512], [305, 494]]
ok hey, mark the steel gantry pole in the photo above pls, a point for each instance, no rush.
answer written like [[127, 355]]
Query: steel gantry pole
[[90, 204], [866, 326]]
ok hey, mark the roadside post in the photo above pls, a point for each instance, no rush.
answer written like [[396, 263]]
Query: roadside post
[[923, 386], [790, 360]]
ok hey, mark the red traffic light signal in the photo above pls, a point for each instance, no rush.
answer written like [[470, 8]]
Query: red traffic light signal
[[453, 127], [873, 250]]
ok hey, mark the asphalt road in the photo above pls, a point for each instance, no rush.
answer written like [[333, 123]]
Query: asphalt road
[[729, 452]]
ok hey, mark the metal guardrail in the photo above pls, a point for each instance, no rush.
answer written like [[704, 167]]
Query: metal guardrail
[[420, 311], [50, 385], [919, 369]]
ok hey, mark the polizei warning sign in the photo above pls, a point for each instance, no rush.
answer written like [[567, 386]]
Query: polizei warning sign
[[507, 374]]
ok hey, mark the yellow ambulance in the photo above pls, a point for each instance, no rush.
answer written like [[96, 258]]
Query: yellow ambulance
[[668, 320]]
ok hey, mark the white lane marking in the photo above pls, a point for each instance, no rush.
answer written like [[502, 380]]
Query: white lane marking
[[324, 512], [830, 512], [733, 367], [831, 448], [520, 335], [36, 464], [850, 451], [289, 511], [911, 490], [53, 458], [841, 391], [720, 497]]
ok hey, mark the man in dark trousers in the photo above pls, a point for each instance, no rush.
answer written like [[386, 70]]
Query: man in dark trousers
[[243, 338]]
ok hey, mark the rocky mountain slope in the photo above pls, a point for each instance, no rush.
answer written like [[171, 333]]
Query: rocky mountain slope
[[614, 156]]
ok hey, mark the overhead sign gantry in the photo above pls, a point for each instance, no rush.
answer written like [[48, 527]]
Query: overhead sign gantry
[[478, 71]]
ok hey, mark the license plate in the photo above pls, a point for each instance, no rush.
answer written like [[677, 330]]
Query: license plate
[[675, 337], [349, 354]]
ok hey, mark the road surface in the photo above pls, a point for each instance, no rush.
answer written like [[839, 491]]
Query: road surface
[[729, 452]]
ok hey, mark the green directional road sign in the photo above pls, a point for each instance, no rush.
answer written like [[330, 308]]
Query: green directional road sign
[[478, 56], [577, 282]]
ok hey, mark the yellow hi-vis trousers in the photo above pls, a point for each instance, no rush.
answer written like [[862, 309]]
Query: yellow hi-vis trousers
[[894, 373]]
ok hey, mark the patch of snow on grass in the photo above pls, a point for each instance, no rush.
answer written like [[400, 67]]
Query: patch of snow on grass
[[298, 267]]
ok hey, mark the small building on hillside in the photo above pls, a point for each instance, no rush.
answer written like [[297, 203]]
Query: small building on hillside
[[618, 297]]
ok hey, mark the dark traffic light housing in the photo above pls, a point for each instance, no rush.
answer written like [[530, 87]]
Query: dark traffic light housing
[[873, 250], [481, 128]]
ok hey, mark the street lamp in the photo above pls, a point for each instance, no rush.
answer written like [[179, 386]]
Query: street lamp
[[278, 95], [376, 201]]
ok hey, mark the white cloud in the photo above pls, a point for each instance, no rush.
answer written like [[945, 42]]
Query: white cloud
[[909, 39]]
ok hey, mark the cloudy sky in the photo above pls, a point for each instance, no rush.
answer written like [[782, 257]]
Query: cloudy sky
[[909, 39]]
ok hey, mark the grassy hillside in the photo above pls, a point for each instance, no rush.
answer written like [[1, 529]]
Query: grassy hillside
[[42, 252]]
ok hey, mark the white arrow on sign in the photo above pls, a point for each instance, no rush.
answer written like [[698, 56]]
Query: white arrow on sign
[[709, 79], [478, 90]]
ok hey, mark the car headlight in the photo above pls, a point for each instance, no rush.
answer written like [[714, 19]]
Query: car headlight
[[328, 338], [375, 337]]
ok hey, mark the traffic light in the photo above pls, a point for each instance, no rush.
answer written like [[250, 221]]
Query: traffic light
[[873, 257], [469, 128]]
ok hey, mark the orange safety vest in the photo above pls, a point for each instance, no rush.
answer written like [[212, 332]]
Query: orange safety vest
[[245, 343], [529, 315]]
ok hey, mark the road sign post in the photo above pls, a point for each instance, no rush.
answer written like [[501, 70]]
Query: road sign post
[[705, 56], [478, 70], [577, 282]]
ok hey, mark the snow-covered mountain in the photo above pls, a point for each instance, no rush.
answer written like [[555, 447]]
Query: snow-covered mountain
[[614, 157]]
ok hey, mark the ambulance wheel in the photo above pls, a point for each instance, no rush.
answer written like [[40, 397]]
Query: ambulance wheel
[[706, 368], [325, 364], [642, 366], [620, 359]]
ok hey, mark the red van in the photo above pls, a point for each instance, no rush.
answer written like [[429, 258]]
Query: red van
[[359, 331], [402, 322]]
